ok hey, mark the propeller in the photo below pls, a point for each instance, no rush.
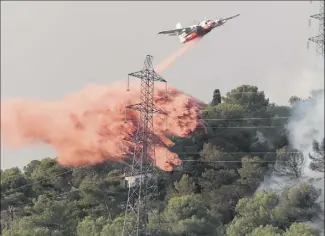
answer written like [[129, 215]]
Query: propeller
[[219, 20]]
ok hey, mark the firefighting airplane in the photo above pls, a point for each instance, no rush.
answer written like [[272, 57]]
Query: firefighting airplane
[[198, 30]]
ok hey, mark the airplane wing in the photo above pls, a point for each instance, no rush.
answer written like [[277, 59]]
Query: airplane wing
[[231, 17], [175, 31]]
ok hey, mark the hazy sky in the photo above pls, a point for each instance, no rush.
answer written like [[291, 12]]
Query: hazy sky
[[49, 49]]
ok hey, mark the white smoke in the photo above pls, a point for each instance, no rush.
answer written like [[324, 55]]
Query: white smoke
[[305, 126], [307, 123]]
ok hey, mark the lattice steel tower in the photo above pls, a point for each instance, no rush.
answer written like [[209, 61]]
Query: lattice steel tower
[[143, 173], [319, 39]]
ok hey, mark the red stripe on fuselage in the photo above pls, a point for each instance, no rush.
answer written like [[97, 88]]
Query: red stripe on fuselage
[[191, 36]]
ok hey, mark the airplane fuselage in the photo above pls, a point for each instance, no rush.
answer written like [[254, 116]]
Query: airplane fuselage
[[189, 33], [200, 31]]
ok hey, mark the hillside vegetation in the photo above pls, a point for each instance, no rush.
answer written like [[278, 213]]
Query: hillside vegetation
[[212, 194]]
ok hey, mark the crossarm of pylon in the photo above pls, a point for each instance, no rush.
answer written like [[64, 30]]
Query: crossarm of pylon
[[153, 139], [142, 107], [143, 74], [139, 74], [158, 110], [317, 39], [317, 16], [157, 77]]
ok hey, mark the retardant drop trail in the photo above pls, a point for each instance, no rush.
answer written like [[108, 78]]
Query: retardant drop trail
[[166, 63], [88, 127]]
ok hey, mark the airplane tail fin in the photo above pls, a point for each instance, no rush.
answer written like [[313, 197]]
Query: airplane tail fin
[[180, 36]]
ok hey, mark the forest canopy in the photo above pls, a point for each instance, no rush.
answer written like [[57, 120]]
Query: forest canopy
[[214, 193]]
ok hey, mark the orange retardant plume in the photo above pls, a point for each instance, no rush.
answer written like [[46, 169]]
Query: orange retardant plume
[[88, 127], [169, 61]]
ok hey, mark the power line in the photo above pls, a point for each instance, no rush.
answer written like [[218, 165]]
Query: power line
[[231, 161], [78, 190], [250, 118], [182, 153], [239, 127], [205, 161], [60, 195], [51, 177], [243, 127], [215, 127], [244, 118], [244, 92], [121, 176], [233, 153]]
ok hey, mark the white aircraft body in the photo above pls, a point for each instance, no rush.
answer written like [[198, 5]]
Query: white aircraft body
[[189, 33]]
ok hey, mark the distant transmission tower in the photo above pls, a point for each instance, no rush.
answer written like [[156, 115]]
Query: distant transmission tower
[[144, 183], [319, 39]]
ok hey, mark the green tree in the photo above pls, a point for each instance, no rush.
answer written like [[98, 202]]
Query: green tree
[[253, 101], [302, 230], [289, 162], [216, 98], [104, 193], [89, 226], [16, 191], [218, 118], [297, 204], [15, 187], [24, 227], [30, 167], [267, 230], [185, 186], [214, 179], [220, 192], [215, 158], [187, 215], [222, 202], [115, 228], [252, 213], [251, 173], [47, 217], [51, 178], [294, 99]]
